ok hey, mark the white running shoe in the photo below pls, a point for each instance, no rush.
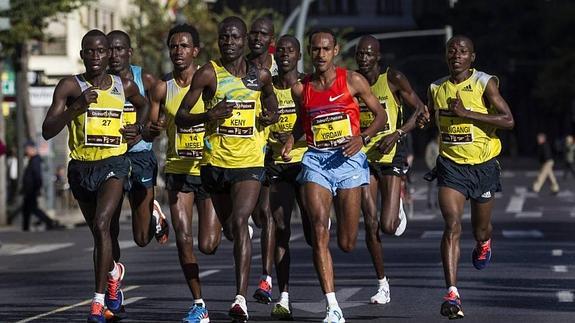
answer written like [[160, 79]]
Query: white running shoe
[[382, 296], [402, 220], [334, 315]]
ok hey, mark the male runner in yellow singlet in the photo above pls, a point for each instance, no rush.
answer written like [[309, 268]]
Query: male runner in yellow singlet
[[240, 104], [468, 109], [91, 106]]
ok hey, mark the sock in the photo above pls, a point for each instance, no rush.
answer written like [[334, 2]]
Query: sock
[[240, 299], [382, 282], [98, 298], [331, 301], [284, 299], [115, 273], [453, 289], [200, 302], [267, 278]]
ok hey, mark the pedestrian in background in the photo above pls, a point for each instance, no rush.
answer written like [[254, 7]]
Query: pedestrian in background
[[32, 188], [546, 160], [569, 155]]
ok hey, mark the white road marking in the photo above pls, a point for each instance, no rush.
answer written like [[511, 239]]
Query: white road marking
[[565, 296], [124, 244], [207, 273], [296, 237], [65, 308], [432, 234], [515, 204], [557, 252], [519, 234], [422, 217], [132, 300], [42, 248], [530, 214], [560, 269]]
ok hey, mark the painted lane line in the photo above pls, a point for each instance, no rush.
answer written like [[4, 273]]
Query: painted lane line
[[296, 237], [515, 204], [124, 244], [529, 214], [565, 296], [42, 248], [132, 300], [519, 234], [342, 295], [422, 217], [207, 273], [65, 308], [557, 252], [560, 269], [433, 234]]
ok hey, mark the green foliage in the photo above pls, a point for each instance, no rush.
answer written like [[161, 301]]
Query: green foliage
[[30, 17], [150, 29]]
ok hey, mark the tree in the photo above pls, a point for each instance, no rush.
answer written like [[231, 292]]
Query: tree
[[29, 19]]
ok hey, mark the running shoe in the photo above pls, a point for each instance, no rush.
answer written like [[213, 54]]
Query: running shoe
[[96, 313], [334, 315], [282, 312], [239, 311], [197, 314], [114, 295], [481, 255], [402, 220], [382, 296], [264, 292], [451, 307], [162, 227]]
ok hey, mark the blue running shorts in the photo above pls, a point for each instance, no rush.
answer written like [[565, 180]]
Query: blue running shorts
[[332, 170]]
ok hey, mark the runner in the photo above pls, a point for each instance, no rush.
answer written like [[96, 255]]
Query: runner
[[281, 175], [91, 106], [260, 37], [241, 103], [386, 154], [183, 157], [334, 165], [147, 218], [468, 109]]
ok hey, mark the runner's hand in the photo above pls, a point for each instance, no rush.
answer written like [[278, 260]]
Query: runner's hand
[[267, 118], [456, 106], [423, 118], [154, 130], [222, 110], [353, 146], [131, 134], [87, 97], [286, 149], [281, 137], [386, 144]]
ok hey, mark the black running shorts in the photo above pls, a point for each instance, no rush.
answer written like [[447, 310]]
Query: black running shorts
[[218, 180], [144, 169], [186, 183], [86, 177], [477, 182]]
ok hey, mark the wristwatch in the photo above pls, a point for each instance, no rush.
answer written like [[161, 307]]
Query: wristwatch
[[366, 139]]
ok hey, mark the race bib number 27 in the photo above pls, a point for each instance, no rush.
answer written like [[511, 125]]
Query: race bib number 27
[[102, 127]]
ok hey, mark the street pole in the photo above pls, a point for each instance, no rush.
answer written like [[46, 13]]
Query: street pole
[[300, 28], [3, 216]]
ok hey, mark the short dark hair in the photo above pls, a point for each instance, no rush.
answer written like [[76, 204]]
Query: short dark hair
[[94, 33], [234, 20], [292, 39], [121, 34], [185, 28], [322, 31]]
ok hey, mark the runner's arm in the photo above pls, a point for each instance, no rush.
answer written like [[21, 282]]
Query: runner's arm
[[503, 119], [362, 89], [270, 102], [157, 96], [297, 130], [400, 81], [58, 115]]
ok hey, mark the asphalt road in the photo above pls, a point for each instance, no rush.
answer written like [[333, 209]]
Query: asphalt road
[[48, 277]]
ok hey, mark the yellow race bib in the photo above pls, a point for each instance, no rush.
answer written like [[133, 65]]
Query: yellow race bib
[[242, 122], [287, 118], [331, 130], [366, 118], [190, 141], [129, 114], [102, 127], [454, 130]]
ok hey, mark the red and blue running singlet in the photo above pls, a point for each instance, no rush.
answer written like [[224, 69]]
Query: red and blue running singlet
[[329, 116]]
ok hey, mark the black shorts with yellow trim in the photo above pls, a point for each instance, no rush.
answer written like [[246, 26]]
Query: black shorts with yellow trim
[[219, 180], [86, 177], [186, 183], [477, 182], [144, 169], [280, 172], [398, 166]]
